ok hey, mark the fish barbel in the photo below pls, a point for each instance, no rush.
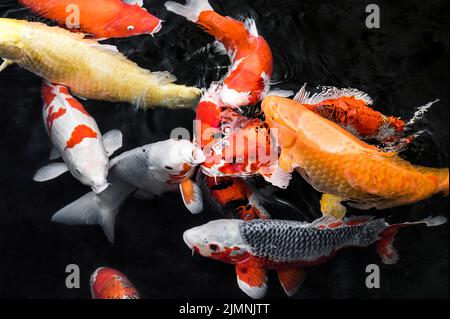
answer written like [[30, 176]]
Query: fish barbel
[[89, 69]]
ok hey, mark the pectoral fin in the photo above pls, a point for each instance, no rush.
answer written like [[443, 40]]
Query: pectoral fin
[[50, 172], [192, 196], [331, 205], [279, 177], [5, 64], [385, 246], [54, 154], [291, 279], [112, 141], [252, 281]]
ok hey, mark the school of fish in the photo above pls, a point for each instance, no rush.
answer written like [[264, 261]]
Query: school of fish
[[245, 127]]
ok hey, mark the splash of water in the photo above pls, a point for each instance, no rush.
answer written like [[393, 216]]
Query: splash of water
[[420, 113]]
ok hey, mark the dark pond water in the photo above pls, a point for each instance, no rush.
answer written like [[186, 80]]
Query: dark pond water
[[402, 65]]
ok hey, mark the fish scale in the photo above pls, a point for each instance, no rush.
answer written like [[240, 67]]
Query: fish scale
[[293, 241]]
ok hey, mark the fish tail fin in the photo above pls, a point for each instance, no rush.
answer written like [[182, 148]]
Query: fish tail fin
[[385, 246], [88, 210], [191, 10], [171, 96]]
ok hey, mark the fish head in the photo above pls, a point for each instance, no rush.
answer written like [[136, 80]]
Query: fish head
[[174, 160], [10, 36], [220, 240], [136, 21], [282, 115], [89, 163]]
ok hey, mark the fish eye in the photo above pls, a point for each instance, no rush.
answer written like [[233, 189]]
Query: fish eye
[[130, 28], [213, 247], [168, 168]]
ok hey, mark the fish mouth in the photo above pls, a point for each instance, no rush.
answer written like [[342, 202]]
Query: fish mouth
[[187, 241], [198, 156], [100, 189]]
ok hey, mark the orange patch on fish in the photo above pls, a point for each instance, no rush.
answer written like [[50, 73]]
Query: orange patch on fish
[[47, 94], [253, 277], [52, 116], [187, 188], [79, 134]]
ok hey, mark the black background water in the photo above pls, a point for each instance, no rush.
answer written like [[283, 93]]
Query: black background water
[[402, 65]]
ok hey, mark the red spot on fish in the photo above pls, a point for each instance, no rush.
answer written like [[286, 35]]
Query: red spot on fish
[[335, 225], [79, 134], [357, 221], [47, 94], [226, 255], [52, 116], [77, 105]]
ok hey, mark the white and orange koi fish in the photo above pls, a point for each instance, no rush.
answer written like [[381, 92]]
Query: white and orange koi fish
[[76, 139]]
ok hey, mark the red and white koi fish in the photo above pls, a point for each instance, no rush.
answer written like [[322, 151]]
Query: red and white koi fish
[[287, 246], [100, 18], [144, 172], [251, 58], [77, 139], [107, 283]]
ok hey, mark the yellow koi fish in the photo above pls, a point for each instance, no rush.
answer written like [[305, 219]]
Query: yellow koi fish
[[91, 70], [341, 166]]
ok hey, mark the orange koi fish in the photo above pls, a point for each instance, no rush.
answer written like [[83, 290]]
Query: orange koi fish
[[251, 58], [100, 18], [341, 166], [107, 283]]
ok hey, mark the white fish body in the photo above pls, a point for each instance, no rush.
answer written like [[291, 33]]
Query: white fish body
[[145, 171]]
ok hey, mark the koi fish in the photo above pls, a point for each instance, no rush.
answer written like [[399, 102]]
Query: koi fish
[[232, 197], [341, 166], [144, 172], [251, 58], [66, 58], [102, 19], [288, 246], [234, 145], [351, 109], [77, 139], [107, 283]]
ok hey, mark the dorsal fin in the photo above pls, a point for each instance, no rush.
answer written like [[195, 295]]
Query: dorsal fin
[[329, 221], [160, 77], [329, 93], [250, 25]]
